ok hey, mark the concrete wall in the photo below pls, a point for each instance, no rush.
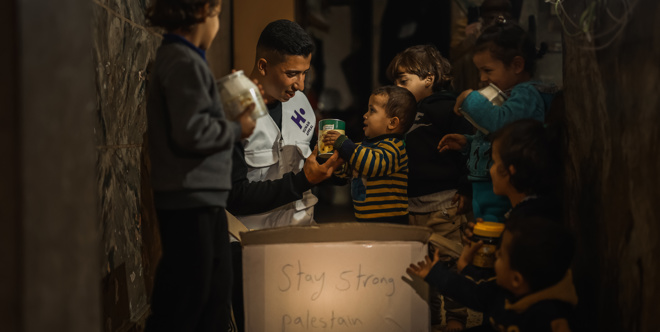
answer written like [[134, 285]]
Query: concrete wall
[[49, 242], [250, 17]]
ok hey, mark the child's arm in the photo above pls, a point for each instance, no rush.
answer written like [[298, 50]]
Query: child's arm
[[194, 126], [383, 159], [449, 283], [453, 142], [525, 102], [375, 161]]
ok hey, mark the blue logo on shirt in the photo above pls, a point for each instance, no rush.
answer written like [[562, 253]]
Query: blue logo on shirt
[[298, 118]]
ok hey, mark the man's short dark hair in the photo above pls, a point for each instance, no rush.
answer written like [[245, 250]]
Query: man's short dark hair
[[540, 249], [400, 103], [281, 38]]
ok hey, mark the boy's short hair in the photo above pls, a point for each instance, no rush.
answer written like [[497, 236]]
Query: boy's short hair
[[400, 103], [281, 38], [533, 150], [540, 249], [179, 14], [422, 60]]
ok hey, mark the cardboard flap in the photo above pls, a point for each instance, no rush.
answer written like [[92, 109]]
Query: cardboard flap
[[337, 232]]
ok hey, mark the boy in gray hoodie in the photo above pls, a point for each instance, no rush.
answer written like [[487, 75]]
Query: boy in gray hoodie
[[190, 146]]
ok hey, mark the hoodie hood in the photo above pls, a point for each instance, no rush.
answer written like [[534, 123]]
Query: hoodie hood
[[562, 291]]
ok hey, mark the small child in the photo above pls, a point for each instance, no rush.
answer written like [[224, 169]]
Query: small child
[[439, 194], [526, 168], [533, 288], [379, 165], [505, 56], [190, 147]]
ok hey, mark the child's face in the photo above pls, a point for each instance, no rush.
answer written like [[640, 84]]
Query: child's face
[[420, 88], [492, 70], [498, 173], [504, 275], [376, 121], [282, 80], [209, 28]]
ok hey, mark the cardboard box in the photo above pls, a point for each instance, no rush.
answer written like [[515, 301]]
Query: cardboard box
[[335, 277]]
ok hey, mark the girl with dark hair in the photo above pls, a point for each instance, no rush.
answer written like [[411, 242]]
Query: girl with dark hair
[[506, 58]]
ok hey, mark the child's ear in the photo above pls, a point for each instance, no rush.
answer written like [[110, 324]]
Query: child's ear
[[262, 64], [394, 122], [428, 81], [518, 281], [512, 170], [518, 64]]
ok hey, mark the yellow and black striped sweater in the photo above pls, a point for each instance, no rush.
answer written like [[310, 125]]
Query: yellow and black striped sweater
[[379, 168]]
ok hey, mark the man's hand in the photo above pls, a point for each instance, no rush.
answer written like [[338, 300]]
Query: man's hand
[[316, 172], [246, 121], [452, 142], [423, 268], [459, 101]]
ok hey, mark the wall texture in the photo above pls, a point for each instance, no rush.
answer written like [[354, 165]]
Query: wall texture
[[123, 48], [250, 17], [47, 204], [612, 183]]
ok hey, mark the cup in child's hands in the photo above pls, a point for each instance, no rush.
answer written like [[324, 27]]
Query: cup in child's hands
[[237, 92]]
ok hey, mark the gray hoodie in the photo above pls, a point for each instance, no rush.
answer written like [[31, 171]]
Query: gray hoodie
[[190, 140]]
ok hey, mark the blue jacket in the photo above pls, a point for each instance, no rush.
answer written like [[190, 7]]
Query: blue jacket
[[527, 100]]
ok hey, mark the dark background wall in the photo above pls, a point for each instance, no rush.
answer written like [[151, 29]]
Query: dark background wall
[[48, 243], [612, 187]]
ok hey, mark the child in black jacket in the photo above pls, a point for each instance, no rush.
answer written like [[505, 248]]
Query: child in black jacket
[[533, 289], [439, 194]]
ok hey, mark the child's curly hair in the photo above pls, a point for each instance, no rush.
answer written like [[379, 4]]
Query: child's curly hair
[[422, 60], [178, 14]]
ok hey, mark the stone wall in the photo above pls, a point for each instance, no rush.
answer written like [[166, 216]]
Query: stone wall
[[123, 49]]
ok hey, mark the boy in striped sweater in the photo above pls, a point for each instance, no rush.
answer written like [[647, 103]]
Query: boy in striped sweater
[[379, 164]]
